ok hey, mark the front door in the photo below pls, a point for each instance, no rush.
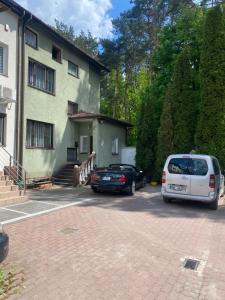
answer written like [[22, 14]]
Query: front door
[[71, 154]]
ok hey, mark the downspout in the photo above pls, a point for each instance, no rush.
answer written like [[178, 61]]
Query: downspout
[[21, 86]]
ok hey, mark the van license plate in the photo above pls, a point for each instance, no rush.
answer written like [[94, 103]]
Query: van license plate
[[178, 188], [106, 178]]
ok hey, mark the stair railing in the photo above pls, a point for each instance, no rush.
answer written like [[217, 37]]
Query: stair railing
[[12, 169], [86, 167]]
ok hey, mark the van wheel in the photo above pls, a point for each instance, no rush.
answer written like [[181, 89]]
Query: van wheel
[[214, 204], [166, 199]]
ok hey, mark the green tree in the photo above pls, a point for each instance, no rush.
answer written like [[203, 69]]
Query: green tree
[[184, 102], [210, 137]]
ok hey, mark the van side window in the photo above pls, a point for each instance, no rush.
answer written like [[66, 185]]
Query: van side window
[[216, 166], [199, 167], [179, 166]]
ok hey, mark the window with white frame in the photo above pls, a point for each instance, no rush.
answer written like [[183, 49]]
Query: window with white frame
[[115, 146], [73, 69], [84, 144], [41, 77], [39, 135], [3, 59], [31, 38]]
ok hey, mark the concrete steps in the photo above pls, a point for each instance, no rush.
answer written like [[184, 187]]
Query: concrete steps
[[9, 192]]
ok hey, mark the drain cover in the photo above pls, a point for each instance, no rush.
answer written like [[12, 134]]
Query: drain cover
[[69, 230], [191, 264]]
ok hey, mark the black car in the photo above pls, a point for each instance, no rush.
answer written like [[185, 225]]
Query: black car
[[117, 178], [4, 244]]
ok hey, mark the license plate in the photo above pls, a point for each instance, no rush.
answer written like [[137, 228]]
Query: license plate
[[106, 178], [178, 188]]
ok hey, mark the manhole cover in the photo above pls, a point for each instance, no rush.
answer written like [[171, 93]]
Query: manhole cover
[[191, 264], [69, 230]]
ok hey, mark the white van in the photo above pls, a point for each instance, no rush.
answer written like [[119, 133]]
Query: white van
[[192, 177]]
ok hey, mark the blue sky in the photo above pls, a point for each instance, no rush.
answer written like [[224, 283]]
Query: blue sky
[[87, 15]]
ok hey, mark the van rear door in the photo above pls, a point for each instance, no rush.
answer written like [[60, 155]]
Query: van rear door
[[178, 175], [200, 176]]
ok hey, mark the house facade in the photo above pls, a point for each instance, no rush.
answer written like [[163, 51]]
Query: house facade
[[58, 116], [8, 77]]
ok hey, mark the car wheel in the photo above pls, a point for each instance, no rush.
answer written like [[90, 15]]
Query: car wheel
[[95, 190], [131, 190], [166, 199], [143, 184], [214, 204]]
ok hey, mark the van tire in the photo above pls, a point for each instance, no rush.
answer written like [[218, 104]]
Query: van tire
[[166, 199], [214, 204]]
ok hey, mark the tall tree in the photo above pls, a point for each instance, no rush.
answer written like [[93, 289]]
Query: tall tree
[[210, 137]]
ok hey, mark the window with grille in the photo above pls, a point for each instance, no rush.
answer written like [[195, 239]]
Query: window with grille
[[41, 77], [31, 38], [39, 135], [115, 146], [73, 69]]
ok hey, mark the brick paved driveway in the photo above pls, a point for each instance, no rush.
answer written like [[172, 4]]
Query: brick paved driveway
[[122, 248]]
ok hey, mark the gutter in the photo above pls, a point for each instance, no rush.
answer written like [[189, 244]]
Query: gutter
[[23, 20]]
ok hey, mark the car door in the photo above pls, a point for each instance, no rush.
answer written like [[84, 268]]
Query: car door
[[178, 177], [200, 176]]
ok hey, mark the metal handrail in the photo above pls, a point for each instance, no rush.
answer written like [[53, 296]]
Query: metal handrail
[[14, 169]]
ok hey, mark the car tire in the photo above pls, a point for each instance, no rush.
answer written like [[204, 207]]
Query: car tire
[[4, 246], [143, 184], [95, 190], [131, 189], [214, 204], [166, 199]]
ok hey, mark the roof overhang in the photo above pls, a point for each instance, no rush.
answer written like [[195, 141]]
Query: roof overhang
[[89, 117]]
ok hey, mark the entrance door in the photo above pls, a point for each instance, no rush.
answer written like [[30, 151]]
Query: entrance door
[[91, 144], [71, 154], [2, 129]]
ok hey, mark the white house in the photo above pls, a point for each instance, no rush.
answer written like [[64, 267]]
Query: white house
[[8, 77]]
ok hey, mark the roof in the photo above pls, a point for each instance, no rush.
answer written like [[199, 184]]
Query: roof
[[90, 116], [19, 10]]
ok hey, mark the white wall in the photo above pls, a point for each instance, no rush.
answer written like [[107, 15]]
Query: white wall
[[8, 37], [128, 155]]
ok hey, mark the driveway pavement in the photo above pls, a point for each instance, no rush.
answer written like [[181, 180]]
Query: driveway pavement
[[120, 247]]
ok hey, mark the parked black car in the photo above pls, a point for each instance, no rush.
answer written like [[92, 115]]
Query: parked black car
[[118, 178], [4, 244]]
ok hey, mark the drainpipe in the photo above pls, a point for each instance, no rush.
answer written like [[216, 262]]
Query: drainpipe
[[24, 19]]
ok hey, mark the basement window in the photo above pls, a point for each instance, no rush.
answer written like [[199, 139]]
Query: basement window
[[56, 54]]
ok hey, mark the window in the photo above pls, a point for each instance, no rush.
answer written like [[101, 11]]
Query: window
[[216, 166], [84, 144], [56, 54], [72, 108], [41, 77], [199, 167], [31, 38], [115, 146], [179, 166], [3, 59], [39, 135], [2, 128], [73, 69]]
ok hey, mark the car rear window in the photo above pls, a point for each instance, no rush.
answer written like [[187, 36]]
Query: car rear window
[[179, 166], [216, 166], [199, 167]]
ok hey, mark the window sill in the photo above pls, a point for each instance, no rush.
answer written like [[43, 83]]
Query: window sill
[[58, 61], [36, 88], [73, 75], [39, 148], [35, 48]]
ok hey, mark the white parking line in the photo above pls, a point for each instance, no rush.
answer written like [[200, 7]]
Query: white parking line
[[16, 211], [45, 211], [44, 202]]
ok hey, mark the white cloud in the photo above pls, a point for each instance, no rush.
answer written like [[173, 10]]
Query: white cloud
[[83, 15]]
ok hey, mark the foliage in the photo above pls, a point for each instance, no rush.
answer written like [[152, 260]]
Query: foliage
[[210, 137]]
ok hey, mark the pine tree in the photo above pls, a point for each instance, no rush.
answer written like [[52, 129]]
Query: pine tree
[[184, 104], [210, 137]]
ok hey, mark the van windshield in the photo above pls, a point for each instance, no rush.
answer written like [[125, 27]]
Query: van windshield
[[188, 166]]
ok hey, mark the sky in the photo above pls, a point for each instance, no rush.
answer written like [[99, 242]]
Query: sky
[[93, 15]]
